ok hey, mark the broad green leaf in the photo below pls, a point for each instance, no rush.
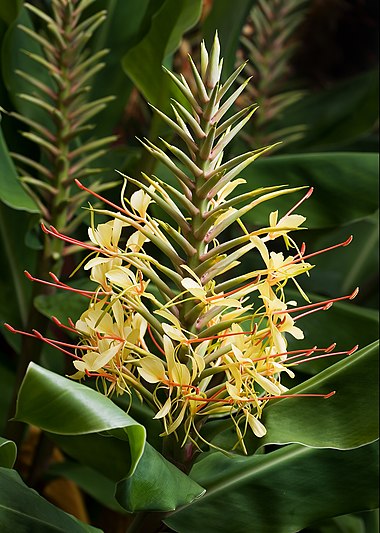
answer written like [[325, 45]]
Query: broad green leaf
[[23, 509], [157, 485], [17, 257], [349, 418], [8, 452], [92, 429], [336, 116], [345, 186], [229, 25], [282, 491], [349, 523], [125, 24], [59, 405], [11, 190], [142, 63]]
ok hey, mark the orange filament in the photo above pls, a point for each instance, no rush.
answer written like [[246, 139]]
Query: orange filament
[[59, 285], [174, 384], [345, 243], [218, 296], [329, 354], [307, 195], [319, 304], [154, 340]]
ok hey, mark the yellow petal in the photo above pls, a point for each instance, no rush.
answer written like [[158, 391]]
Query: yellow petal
[[152, 369]]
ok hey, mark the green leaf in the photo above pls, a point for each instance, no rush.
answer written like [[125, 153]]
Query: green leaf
[[142, 63], [283, 491], [8, 452], [299, 420], [157, 485], [125, 24], [336, 116], [349, 418], [345, 186], [91, 428], [11, 190], [59, 405], [16, 289], [23, 509]]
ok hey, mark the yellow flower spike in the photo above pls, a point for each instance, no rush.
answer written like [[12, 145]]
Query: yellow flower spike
[[216, 345]]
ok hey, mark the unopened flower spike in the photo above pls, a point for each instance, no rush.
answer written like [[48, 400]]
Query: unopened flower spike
[[168, 317]]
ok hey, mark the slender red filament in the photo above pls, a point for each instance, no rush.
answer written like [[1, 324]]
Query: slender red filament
[[307, 195], [345, 243], [318, 304], [154, 340], [118, 208]]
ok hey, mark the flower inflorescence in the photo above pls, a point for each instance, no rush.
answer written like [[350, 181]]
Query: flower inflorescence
[[169, 325]]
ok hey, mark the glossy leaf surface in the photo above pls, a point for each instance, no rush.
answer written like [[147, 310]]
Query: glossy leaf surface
[[299, 420], [92, 429], [283, 491], [167, 26], [23, 509], [11, 191]]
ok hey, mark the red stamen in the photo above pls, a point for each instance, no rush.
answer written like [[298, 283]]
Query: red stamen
[[60, 285], [325, 396], [154, 340], [319, 304], [217, 296], [174, 384], [341, 244], [324, 308], [307, 195], [211, 398], [63, 326], [61, 343], [118, 208], [100, 374], [329, 354], [55, 233]]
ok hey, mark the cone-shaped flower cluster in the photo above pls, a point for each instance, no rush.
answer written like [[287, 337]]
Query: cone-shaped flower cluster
[[165, 320]]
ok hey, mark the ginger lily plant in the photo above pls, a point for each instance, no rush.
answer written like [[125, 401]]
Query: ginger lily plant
[[190, 339]]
